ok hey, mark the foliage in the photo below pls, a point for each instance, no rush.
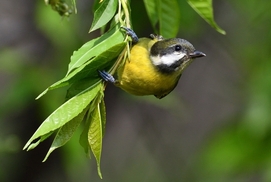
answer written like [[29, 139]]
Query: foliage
[[84, 99]]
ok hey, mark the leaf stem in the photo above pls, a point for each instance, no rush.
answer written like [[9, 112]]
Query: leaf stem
[[127, 23], [126, 13], [122, 57]]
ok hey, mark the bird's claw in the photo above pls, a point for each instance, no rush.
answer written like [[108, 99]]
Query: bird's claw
[[106, 76], [131, 33], [158, 37]]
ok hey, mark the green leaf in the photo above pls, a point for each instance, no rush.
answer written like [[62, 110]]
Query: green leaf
[[103, 61], [103, 115], [87, 54], [95, 47], [56, 85], [65, 133], [69, 110], [95, 134], [89, 69], [103, 14], [64, 81], [205, 9], [79, 86], [95, 5], [84, 139], [42, 138], [84, 135], [166, 13], [169, 18], [151, 8]]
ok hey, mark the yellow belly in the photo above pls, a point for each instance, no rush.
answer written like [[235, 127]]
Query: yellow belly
[[139, 76]]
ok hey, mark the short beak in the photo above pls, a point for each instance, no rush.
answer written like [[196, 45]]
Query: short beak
[[197, 54]]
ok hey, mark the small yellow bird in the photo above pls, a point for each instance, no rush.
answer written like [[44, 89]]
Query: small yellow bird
[[155, 65]]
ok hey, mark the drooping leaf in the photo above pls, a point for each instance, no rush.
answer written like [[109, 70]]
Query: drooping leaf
[[66, 112], [86, 54], [103, 14], [103, 115], [84, 135], [89, 69], [65, 133], [95, 47], [152, 8], [84, 139], [103, 61], [41, 139], [64, 81], [79, 86], [166, 13], [169, 18], [205, 9], [95, 5], [95, 134]]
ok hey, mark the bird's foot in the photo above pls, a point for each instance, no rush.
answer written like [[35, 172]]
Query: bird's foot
[[132, 34], [106, 76], [158, 37]]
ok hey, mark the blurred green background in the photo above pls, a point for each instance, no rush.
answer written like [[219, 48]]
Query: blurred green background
[[216, 125]]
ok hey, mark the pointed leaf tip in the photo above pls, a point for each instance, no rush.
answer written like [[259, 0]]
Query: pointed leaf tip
[[205, 9], [103, 14]]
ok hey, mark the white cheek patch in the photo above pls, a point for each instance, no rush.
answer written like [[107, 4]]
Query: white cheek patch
[[168, 59]]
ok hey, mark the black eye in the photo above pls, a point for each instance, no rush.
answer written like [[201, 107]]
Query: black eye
[[178, 48]]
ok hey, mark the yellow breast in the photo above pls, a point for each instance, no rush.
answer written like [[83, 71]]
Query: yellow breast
[[139, 76]]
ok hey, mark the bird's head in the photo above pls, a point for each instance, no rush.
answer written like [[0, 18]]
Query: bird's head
[[171, 55]]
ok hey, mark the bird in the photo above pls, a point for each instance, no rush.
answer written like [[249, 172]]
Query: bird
[[155, 65]]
